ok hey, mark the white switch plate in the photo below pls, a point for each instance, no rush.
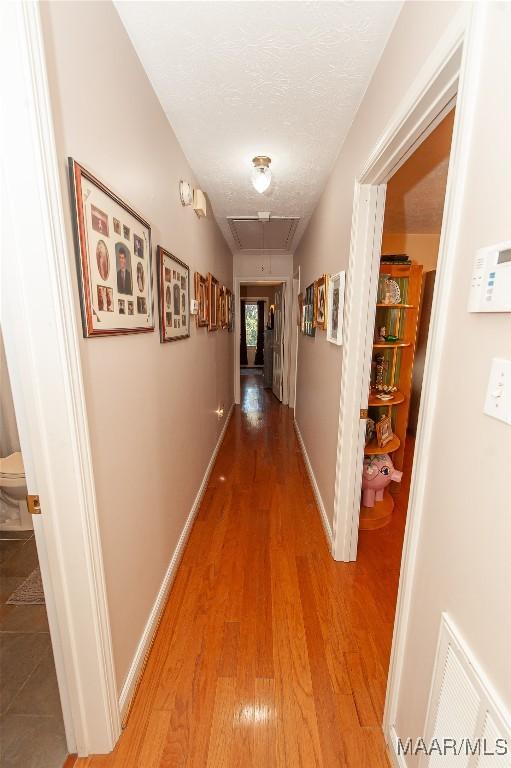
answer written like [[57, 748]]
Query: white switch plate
[[498, 394]]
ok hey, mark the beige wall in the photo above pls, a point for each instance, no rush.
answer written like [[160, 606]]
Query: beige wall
[[463, 563], [151, 406], [259, 291], [325, 244], [420, 248]]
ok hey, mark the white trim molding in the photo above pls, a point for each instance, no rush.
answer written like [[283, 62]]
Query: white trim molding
[[361, 289], [42, 350], [258, 279], [315, 487], [146, 641], [397, 759]]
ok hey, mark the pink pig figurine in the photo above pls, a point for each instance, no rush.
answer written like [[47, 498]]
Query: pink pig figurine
[[377, 473]]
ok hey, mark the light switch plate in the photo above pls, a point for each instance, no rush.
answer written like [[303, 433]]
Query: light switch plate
[[498, 394]]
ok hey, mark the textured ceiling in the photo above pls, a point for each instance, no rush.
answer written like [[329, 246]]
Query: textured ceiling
[[237, 79], [416, 193]]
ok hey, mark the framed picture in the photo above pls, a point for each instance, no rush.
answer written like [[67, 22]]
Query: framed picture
[[213, 297], [201, 296], [114, 271], [222, 303], [308, 308], [174, 296], [335, 307], [230, 310], [320, 303], [300, 307], [384, 433]]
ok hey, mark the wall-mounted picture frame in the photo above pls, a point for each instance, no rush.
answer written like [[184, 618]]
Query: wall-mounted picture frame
[[308, 308], [201, 295], [174, 296], [230, 310], [300, 311], [320, 302], [222, 307], [335, 308], [384, 433], [213, 301], [114, 271]]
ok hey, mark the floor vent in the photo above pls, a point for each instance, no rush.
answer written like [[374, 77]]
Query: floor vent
[[465, 718]]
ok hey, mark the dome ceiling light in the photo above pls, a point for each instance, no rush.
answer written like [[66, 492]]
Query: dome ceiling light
[[261, 174]]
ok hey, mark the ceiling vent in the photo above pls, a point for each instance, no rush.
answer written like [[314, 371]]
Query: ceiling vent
[[252, 233]]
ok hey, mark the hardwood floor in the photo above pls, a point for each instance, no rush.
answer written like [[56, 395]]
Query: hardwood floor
[[269, 653]]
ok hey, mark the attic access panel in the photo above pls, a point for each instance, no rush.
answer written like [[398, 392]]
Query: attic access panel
[[250, 233]]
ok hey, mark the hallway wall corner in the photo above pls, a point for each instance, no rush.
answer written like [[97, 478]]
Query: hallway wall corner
[[315, 487]]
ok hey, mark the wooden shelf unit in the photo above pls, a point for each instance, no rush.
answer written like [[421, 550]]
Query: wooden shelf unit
[[375, 402], [405, 316], [372, 518], [373, 449], [390, 344]]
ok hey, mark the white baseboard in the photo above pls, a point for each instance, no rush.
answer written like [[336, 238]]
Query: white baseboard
[[315, 487], [144, 646], [397, 760]]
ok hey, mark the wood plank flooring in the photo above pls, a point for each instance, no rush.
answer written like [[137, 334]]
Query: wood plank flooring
[[269, 653]]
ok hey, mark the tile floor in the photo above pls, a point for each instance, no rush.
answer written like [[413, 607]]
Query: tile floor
[[31, 726]]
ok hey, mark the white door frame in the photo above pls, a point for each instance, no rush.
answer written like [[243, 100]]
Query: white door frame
[[295, 321], [450, 74], [237, 283], [40, 327], [254, 300]]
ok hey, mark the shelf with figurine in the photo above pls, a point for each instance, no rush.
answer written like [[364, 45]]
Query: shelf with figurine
[[385, 397], [394, 342]]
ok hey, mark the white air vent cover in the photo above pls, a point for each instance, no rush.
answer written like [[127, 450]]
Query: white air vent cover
[[463, 711], [251, 233]]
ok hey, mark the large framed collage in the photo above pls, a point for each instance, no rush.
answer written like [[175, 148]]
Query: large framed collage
[[113, 248], [114, 265]]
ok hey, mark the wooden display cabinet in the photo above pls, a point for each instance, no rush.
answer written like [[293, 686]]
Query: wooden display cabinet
[[395, 358]]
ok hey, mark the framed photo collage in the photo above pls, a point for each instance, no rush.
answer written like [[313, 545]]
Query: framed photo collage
[[114, 265]]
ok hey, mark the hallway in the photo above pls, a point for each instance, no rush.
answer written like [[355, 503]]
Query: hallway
[[269, 653]]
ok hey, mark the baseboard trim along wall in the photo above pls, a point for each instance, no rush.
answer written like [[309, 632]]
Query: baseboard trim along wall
[[397, 760], [138, 664], [315, 487]]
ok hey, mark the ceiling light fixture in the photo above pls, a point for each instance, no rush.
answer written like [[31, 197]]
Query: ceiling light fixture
[[261, 174]]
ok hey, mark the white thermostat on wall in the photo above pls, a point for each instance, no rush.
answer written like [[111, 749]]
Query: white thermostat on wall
[[490, 289]]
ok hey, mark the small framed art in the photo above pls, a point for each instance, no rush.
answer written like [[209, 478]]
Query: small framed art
[[320, 303], [113, 255], [222, 303], [201, 295], [384, 433], [308, 312], [335, 308], [174, 296], [213, 302], [299, 321], [230, 310]]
